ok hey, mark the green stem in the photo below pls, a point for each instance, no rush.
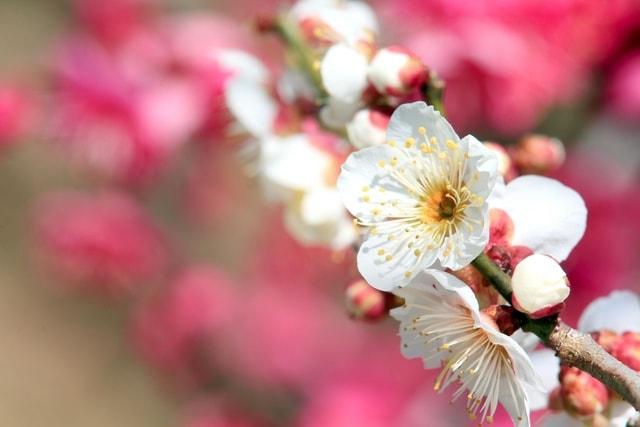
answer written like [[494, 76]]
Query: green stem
[[433, 92], [303, 55]]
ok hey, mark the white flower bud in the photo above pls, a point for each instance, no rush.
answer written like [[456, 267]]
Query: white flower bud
[[367, 128], [540, 286], [396, 71]]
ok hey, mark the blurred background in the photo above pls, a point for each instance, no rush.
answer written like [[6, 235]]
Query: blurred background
[[145, 281]]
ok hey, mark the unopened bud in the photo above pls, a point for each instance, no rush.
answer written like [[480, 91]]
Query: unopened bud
[[367, 128], [365, 302], [582, 395], [506, 166], [628, 350], [540, 286], [538, 154], [396, 71], [505, 317]]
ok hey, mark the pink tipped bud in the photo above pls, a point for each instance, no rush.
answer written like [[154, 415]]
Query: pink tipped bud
[[538, 154], [628, 350], [367, 128], [365, 302], [540, 286], [582, 395], [396, 71], [504, 318], [506, 166]]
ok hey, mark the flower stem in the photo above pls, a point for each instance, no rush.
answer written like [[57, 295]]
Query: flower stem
[[574, 348], [302, 54]]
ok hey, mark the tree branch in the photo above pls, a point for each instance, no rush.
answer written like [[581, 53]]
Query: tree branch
[[572, 347], [580, 350]]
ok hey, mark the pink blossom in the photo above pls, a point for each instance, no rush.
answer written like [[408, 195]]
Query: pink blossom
[[113, 21], [15, 113], [623, 91], [174, 330], [103, 243], [506, 62]]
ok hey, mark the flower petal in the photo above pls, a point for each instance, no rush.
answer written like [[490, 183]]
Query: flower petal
[[298, 165], [549, 217], [407, 119], [547, 366], [251, 105], [344, 73], [619, 312]]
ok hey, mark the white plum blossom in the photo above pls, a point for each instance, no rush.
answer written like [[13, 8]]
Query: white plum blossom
[[395, 71], [617, 312], [440, 323], [291, 168], [421, 195], [548, 217]]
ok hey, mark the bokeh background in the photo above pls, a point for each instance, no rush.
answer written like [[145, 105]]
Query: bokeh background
[[131, 345]]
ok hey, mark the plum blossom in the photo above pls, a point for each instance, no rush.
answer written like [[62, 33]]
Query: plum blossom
[[422, 197], [104, 243], [542, 215], [616, 313], [441, 323]]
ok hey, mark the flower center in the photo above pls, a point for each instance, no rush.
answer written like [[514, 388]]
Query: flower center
[[445, 205]]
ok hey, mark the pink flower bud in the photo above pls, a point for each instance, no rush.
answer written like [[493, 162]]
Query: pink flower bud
[[608, 340], [540, 286], [318, 33], [628, 350], [368, 127], [582, 395], [365, 302], [506, 166], [538, 154], [396, 71]]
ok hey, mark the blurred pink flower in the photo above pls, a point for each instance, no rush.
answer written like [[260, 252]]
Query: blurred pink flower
[[125, 110], [623, 91], [507, 62], [103, 244], [213, 412], [174, 330], [15, 113], [112, 22]]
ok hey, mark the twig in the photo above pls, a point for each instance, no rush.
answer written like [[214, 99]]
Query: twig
[[572, 347]]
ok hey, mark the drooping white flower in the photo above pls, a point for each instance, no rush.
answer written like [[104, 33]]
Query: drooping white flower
[[617, 312], [422, 196], [440, 323], [548, 217]]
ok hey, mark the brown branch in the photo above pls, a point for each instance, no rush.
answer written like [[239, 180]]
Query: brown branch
[[580, 350], [572, 347]]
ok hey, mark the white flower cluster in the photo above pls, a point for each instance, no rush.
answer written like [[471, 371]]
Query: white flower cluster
[[424, 198], [426, 202]]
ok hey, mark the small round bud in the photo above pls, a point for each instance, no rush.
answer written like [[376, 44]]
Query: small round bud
[[396, 71], [582, 395], [367, 128], [540, 286], [538, 154], [506, 166], [628, 350], [365, 302]]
